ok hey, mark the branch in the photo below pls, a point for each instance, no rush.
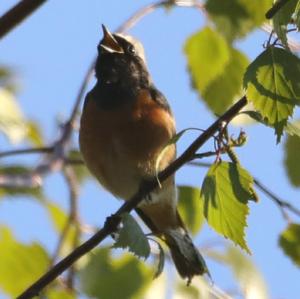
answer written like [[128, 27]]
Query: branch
[[17, 14], [112, 222], [275, 8], [36, 150]]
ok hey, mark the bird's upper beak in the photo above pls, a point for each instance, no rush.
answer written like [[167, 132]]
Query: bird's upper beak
[[109, 43]]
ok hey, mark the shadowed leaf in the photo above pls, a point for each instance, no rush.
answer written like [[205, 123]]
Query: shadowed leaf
[[190, 208], [132, 237], [235, 18], [130, 277], [207, 54], [289, 241], [291, 161], [272, 86]]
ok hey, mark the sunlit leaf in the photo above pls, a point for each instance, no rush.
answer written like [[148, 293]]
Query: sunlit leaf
[[60, 294], [272, 86], [235, 18], [21, 264], [291, 161], [34, 134], [190, 208], [289, 241], [132, 237], [12, 122], [225, 193], [130, 276], [207, 54], [221, 92]]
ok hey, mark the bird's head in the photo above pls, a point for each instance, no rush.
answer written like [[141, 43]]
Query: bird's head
[[121, 59]]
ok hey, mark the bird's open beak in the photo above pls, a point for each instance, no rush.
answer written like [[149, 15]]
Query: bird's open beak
[[109, 43]]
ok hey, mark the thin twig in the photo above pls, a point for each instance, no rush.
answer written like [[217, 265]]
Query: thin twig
[[36, 150], [112, 222], [17, 14], [282, 204]]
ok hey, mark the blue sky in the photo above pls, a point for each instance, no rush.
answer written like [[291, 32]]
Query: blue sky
[[50, 53]]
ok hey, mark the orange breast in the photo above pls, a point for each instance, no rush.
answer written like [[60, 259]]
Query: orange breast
[[120, 146]]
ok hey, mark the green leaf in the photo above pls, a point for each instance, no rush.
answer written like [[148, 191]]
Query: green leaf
[[272, 86], [235, 18], [125, 277], [296, 16], [225, 192], [207, 54], [289, 241], [282, 18], [35, 192], [81, 171], [34, 134], [250, 279], [21, 264], [59, 294], [132, 236], [291, 128], [12, 122], [221, 92], [291, 160], [190, 208], [59, 219]]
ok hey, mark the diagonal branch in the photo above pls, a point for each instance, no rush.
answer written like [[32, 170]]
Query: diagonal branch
[[34, 150], [275, 8], [112, 222], [17, 14]]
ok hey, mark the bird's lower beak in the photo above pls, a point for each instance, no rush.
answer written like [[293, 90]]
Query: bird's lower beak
[[109, 43]]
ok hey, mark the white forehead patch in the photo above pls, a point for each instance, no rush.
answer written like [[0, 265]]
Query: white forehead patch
[[136, 43]]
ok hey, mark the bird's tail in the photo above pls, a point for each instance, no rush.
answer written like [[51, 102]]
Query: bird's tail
[[186, 257]]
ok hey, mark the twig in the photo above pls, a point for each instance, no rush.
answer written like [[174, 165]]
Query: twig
[[139, 15], [112, 223], [282, 204], [36, 150], [275, 8], [17, 14]]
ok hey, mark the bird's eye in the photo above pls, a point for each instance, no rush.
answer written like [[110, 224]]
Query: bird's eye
[[131, 49]]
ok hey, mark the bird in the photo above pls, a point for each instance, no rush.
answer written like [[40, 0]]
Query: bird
[[125, 124]]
